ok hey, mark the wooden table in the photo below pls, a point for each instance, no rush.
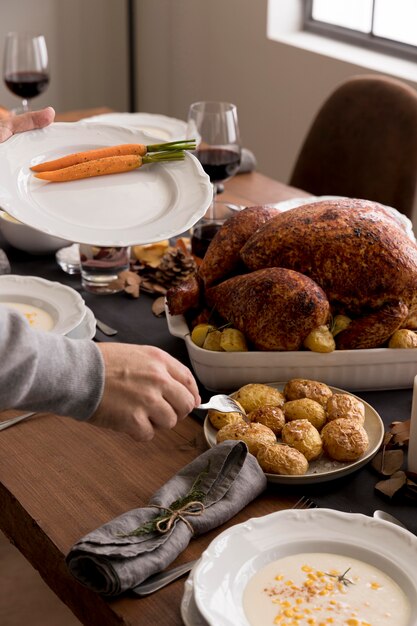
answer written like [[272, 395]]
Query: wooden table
[[59, 478]]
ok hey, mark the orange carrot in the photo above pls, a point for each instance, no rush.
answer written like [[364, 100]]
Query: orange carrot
[[90, 155], [106, 165], [111, 151]]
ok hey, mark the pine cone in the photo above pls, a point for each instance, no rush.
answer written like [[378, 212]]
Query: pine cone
[[175, 266]]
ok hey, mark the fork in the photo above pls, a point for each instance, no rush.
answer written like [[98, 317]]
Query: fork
[[304, 503], [222, 403], [158, 581]]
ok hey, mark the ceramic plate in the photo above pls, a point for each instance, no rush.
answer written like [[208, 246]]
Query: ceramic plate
[[156, 202], [161, 126], [86, 329], [190, 614], [231, 560], [323, 469], [64, 305]]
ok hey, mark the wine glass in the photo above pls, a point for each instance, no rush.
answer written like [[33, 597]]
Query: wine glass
[[214, 126], [25, 66]]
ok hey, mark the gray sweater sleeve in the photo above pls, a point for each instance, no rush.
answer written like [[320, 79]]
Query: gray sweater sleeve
[[41, 371]]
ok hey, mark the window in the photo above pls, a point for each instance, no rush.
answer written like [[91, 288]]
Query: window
[[385, 25]]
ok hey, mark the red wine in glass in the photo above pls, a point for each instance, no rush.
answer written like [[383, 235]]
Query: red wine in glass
[[220, 164], [27, 84], [25, 66], [215, 128]]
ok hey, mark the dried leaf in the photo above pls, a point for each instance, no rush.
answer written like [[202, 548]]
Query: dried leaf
[[133, 290], [387, 462], [387, 439], [392, 485], [152, 253], [401, 432], [158, 306], [129, 277], [184, 243]]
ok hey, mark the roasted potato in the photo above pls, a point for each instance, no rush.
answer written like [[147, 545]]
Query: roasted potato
[[340, 322], [271, 416], [200, 332], [403, 338], [254, 435], [303, 388], [303, 436], [342, 405], [320, 339], [232, 340], [212, 341], [282, 459], [218, 419], [305, 409], [344, 439], [255, 395]]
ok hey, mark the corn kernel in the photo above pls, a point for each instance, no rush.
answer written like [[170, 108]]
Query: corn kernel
[[306, 568], [375, 586]]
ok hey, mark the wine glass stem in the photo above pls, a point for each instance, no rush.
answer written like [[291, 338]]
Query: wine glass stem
[[25, 105], [211, 212]]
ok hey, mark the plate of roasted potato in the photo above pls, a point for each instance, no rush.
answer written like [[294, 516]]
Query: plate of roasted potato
[[301, 431]]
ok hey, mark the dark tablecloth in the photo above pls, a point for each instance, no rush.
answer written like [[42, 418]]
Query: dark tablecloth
[[136, 324]]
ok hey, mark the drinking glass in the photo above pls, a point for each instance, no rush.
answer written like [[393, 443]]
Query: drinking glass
[[214, 126], [25, 66], [101, 267]]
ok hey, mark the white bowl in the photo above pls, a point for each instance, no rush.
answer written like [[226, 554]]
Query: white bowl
[[28, 239], [355, 370]]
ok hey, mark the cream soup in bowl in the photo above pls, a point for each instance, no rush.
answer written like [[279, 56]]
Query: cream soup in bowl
[[313, 589], [291, 561], [36, 317]]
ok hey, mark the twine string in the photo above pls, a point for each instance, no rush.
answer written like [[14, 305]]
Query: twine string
[[165, 524]]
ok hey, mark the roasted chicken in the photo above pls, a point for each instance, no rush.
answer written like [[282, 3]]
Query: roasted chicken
[[354, 250]]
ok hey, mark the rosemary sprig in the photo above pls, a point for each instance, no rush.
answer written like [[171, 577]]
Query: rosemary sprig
[[341, 578], [195, 494]]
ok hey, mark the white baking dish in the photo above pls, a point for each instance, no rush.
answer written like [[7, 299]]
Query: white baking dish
[[354, 370]]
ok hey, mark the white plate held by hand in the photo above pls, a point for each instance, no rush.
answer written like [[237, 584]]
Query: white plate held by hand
[[155, 202]]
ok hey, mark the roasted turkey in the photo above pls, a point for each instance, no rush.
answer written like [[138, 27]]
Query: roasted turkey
[[354, 250]]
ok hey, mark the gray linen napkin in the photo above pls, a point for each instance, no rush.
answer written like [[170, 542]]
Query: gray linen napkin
[[110, 561]]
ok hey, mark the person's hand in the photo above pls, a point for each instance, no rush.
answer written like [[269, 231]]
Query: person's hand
[[11, 124], [144, 389]]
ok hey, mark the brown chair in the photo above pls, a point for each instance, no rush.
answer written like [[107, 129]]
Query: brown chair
[[363, 144]]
